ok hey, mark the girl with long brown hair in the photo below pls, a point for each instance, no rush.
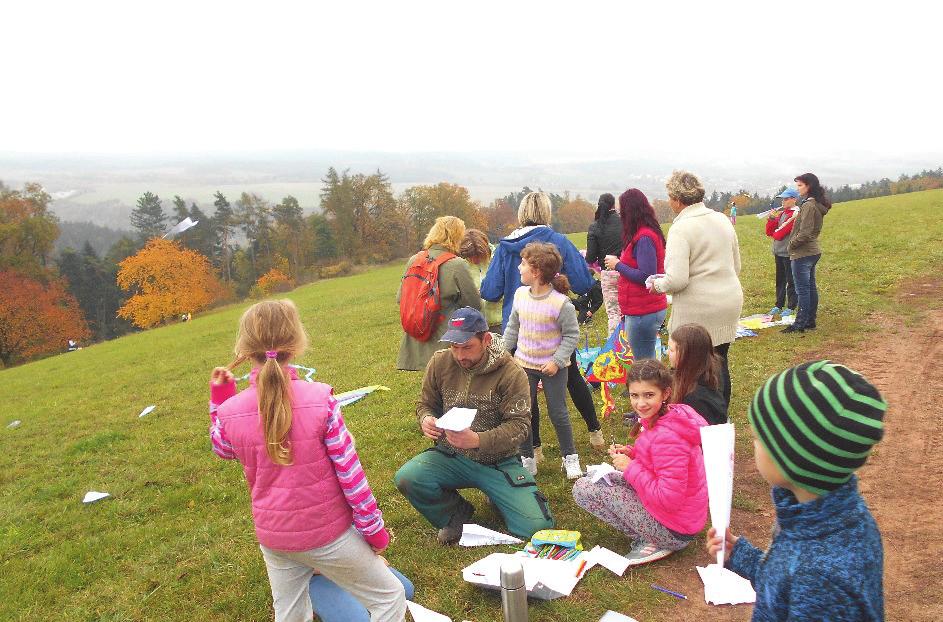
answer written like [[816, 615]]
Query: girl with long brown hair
[[697, 372], [312, 506]]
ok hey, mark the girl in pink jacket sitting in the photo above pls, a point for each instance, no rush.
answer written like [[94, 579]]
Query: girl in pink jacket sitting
[[661, 500], [312, 506]]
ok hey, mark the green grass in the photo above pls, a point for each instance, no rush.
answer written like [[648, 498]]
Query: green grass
[[176, 541]]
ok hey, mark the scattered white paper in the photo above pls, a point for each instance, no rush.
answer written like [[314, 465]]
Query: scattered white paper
[[544, 579], [93, 496], [14, 424], [604, 472], [147, 411], [421, 614], [457, 419], [717, 442], [608, 559], [724, 587], [615, 616], [476, 535], [181, 226]]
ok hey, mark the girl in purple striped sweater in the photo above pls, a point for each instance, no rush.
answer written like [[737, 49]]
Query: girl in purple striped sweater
[[543, 330]]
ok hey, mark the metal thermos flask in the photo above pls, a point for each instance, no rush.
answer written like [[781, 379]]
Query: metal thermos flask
[[513, 592]]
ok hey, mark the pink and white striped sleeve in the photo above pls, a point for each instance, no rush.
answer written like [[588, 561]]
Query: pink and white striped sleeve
[[219, 393], [368, 519]]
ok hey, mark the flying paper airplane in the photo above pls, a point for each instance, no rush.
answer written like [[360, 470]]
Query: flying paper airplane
[[181, 226]]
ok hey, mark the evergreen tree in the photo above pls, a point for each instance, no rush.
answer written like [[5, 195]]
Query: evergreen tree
[[148, 218], [224, 224]]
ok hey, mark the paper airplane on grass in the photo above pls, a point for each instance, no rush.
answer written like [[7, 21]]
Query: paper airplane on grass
[[92, 496], [14, 424], [147, 411], [181, 226], [476, 535]]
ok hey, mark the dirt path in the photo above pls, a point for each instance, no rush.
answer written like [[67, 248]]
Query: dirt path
[[902, 481]]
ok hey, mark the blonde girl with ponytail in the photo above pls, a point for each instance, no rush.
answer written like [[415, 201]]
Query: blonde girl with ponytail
[[312, 506]]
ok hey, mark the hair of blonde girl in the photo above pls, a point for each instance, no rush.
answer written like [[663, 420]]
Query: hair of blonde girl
[[446, 231], [271, 334], [534, 209], [544, 259]]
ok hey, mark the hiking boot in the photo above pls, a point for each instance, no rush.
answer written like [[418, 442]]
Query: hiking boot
[[645, 553], [787, 312], [530, 464], [571, 464], [596, 440], [452, 533], [538, 455], [775, 311]]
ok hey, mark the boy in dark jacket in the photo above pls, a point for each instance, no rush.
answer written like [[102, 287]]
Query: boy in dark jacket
[[814, 425]]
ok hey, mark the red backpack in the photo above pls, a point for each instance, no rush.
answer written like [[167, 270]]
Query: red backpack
[[420, 300]]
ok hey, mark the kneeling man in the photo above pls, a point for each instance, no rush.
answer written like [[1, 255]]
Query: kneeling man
[[475, 372]]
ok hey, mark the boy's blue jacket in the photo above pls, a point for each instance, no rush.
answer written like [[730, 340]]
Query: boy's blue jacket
[[503, 277], [825, 563]]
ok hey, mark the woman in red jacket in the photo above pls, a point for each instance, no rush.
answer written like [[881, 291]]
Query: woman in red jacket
[[779, 227]]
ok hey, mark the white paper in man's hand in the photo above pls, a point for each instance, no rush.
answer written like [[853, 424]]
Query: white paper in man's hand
[[476, 535], [457, 419], [421, 614], [717, 442], [724, 587]]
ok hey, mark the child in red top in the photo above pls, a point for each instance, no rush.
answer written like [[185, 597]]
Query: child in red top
[[779, 227]]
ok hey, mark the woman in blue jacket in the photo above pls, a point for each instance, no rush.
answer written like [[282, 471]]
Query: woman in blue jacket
[[503, 279]]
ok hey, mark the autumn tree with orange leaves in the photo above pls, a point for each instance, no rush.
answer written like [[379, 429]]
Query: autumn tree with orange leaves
[[36, 318], [166, 281]]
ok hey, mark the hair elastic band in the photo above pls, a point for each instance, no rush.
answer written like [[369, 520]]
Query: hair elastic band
[[271, 354]]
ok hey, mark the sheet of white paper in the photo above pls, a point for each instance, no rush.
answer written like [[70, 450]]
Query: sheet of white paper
[[457, 419], [93, 496], [604, 472], [615, 616], [717, 442], [14, 424], [724, 587], [421, 614], [608, 559], [476, 535], [147, 411]]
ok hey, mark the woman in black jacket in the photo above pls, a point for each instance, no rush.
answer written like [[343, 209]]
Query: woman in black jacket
[[605, 238]]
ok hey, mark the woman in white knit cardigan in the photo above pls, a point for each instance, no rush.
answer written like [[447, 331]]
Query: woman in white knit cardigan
[[702, 264]]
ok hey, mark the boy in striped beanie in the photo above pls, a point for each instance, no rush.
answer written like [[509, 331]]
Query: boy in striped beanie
[[814, 426]]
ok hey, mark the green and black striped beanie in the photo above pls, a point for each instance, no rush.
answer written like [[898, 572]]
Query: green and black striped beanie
[[818, 422]]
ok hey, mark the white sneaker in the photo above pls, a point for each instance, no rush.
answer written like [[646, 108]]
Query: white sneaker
[[646, 552], [571, 464], [530, 464]]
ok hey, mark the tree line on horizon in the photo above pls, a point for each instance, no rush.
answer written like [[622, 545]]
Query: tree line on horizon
[[252, 247]]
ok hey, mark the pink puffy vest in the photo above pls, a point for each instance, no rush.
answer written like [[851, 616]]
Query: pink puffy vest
[[667, 470], [296, 507]]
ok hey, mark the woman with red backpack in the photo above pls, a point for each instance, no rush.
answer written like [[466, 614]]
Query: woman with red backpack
[[435, 283]]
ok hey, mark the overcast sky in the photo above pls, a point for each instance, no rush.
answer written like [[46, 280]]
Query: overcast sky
[[610, 79]]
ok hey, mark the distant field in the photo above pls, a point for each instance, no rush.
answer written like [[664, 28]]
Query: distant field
[[176, 541]]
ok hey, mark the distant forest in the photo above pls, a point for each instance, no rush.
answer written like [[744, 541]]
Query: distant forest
[[60, 280]]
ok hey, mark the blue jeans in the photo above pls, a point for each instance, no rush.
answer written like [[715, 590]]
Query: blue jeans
[[333, 604], [642, 332], [803, 274]]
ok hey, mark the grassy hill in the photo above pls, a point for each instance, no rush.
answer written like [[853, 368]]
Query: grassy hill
[[176, 541]]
